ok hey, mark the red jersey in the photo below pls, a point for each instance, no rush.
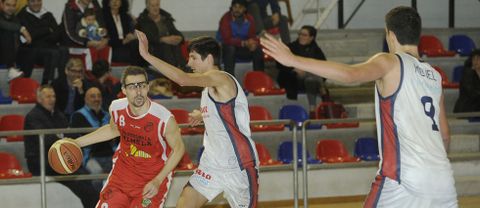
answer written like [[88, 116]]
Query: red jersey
[[143, 149]]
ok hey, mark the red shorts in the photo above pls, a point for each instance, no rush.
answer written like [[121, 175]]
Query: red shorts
[[119, 194]]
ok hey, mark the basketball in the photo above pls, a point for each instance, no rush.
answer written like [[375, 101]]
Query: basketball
[[65, 156]]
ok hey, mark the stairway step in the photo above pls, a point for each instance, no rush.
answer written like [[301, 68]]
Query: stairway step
[[313, 10]]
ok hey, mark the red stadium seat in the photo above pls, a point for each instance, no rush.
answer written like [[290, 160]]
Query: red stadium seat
[[445, 82], [432, 47], [259, 113], [261, 84], [331, 110], [10, 167], [182, 118], [264, 156], [23, 90], [12, 123], [184, 49], [186, 163], [333, 151]]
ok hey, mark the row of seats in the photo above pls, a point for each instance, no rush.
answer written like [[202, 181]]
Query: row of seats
[[258, 83], [327, 151], [297, 113], [23, 90], [431, 46]]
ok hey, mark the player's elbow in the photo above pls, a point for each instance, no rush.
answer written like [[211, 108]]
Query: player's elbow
[[179, 148]]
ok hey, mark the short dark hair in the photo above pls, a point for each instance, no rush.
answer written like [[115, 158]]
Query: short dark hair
[[205, 46], [405, 23], [133, 70], [123, 8], [475, 52], [241, 2], [100, 68], [89, 12], [42, 87], [311, 30]]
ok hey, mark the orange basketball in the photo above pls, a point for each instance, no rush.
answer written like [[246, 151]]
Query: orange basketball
[[65, 156]]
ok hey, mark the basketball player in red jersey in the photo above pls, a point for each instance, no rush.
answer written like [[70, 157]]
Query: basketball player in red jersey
[[150, 146]]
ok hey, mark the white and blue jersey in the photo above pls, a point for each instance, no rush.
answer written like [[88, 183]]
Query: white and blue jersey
[[410, 142]]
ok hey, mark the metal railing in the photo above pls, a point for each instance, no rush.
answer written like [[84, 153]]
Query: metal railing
[[43, 179], [306, 123]]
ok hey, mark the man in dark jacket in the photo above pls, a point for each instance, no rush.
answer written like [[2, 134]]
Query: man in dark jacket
[[294, 80], [45, 116], [71, 88], [10, 31], [469, 99], [45, 38], [164, 38]]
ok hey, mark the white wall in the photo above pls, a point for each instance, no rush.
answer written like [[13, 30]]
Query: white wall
[[201, 15]]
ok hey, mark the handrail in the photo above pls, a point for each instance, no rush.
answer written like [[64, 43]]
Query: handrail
[[44, 179], [353, 13], [344, 120]]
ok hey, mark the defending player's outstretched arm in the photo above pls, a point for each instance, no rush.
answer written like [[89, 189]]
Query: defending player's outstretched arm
[[208, 79], [375, 68], [174, 140], [104, 133]]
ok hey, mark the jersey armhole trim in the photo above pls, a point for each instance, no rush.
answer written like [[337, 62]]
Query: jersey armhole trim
[[402, 72]]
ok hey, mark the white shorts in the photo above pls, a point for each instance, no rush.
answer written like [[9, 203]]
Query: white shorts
[[386, 192], [240, 187]]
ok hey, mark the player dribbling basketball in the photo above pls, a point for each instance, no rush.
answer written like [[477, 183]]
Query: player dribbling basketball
[[150, 146]]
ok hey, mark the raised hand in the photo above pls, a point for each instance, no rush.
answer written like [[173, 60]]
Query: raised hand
[[142, 43], [276, 49]]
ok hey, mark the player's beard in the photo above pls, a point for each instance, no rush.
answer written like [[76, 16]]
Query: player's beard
[[139, 101]]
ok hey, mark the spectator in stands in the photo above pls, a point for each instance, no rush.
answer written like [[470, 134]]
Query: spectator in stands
[[294, 80], [236, 33], [45, 116], [71, 88], [44, 48], [89, 28], [72, 15], [108, 85], [11, 32], [166, 40], [120, 26], [92, 115], [264, 22], [469, 98]]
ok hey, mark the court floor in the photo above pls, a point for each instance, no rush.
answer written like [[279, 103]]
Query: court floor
[[464, 202]]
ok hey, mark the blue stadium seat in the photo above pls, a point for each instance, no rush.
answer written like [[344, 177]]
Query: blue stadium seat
[[462, 44], [5, 99], [457, 74], [296, 113], [285, 154], [366, 148]]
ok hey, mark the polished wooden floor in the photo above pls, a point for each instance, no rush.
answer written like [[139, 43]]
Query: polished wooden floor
[[463, 202], [351, 202]]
